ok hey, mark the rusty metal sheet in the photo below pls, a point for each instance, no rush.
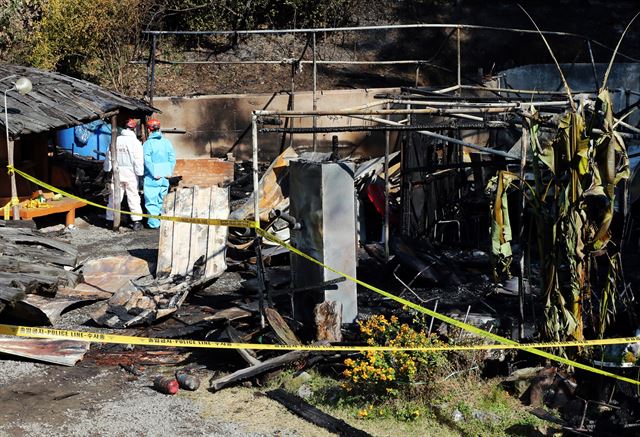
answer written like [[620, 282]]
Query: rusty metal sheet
[[63, 352], [113, 273], [41, 310]]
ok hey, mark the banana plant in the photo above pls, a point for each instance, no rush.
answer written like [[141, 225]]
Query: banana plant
[[572, 200]]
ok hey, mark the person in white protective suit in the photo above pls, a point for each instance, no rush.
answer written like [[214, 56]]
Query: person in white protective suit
[[130, 159]]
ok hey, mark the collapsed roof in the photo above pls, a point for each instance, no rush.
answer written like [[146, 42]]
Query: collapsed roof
[[58, 101]]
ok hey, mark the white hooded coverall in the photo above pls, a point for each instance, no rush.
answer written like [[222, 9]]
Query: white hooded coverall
[[130, 165]]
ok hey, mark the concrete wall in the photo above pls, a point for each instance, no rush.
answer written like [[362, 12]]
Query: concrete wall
[[212, 124], [624, 77]]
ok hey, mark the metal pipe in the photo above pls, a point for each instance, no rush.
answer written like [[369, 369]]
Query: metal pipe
[[400, 127], [115, 178], [449, 139], [10, 158], [291, 220], [293, 98], [256, 181], [256, 212], [315, 73], [459, 58], [517, 91], [152, 86], [386, 193], [441, 103], [437, 111], [290, 61]]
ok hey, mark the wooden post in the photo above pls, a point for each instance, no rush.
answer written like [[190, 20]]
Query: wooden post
[[14, 189], [116, 175]]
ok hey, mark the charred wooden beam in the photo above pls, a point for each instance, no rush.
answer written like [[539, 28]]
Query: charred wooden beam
[[299, 406]]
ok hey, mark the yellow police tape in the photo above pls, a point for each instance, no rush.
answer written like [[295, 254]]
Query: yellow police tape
[[7, 208], [193, 220], [98, 337], [505, 342]]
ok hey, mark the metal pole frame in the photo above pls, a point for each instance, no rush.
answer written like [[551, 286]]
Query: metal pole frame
[[10, 149], [152, 85], [387, 188], [315, 102], [386, 27], [256, 211]]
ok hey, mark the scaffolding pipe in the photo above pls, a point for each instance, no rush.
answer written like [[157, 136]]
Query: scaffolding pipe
[[373, 128], [459, 59], [315, 105], [153, 69], [386, 193], [440, 103], [446, 138], [436, 111], [256, 181], [289, 61], [293, 98]]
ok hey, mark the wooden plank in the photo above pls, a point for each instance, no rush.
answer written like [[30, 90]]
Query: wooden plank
[[216, 262], [182, 232], [199, 233], [248, 355], [280, 327], [165, 244], [299, 406], [250, 372]]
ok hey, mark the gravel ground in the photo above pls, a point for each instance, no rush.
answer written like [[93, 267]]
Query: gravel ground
[[40, 399], [92, 400]]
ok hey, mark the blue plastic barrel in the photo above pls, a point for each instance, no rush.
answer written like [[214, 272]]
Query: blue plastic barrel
[[97, 143]]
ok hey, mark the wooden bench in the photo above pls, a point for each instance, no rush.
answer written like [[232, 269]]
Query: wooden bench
[[65, 204]]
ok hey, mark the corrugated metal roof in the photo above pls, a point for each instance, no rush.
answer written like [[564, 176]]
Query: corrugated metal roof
[[58, 101]]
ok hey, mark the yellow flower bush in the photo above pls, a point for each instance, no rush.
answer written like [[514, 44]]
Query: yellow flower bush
[[384, 373]]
